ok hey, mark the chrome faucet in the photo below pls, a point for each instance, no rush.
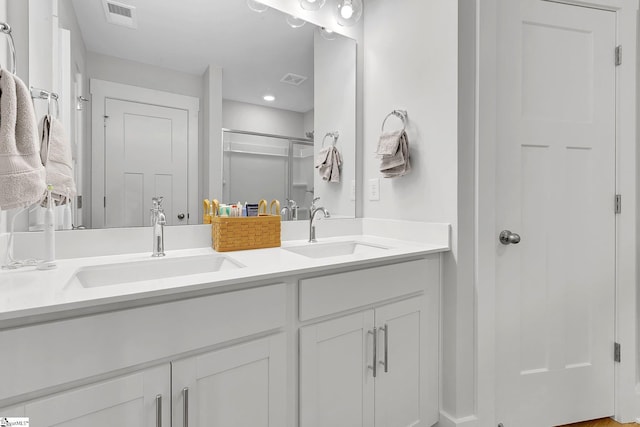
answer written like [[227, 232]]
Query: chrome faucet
[[290, 211], [312, 227], [158, 221]]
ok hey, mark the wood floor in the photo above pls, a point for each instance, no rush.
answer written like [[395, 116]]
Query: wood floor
[[605, 422]]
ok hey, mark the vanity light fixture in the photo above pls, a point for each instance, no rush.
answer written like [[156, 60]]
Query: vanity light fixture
[[295, 22], [312, 4], [269, 98], [256, 6], [348, 12]]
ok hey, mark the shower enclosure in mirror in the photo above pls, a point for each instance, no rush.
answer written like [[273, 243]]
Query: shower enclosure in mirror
[[263, 166]]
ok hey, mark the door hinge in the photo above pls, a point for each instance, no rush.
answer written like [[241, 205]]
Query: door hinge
[[105, 201], [618, 55], [618, 204], [616, 352]]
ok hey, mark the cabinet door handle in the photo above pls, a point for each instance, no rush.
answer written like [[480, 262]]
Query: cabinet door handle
[[185, 407], [385, 329], [374, 367], [159, 410]]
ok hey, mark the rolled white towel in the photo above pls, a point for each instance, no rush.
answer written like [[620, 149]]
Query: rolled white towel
[[22, 176]]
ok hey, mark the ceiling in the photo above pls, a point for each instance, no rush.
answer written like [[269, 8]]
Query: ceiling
[[255, 50]]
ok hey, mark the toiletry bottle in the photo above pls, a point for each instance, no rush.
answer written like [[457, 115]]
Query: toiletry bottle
[[49, 234]]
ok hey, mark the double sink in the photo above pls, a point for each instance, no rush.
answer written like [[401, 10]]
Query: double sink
[[162, 268]]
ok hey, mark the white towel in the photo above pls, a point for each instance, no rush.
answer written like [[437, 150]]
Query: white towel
[[22, 176], [55, 151], [328, 163], [393, 149]]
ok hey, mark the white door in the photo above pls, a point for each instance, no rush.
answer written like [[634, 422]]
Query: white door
[[130, 401], [555, 188], [145, 156], [402, 380], [336, 382], [239, 386]]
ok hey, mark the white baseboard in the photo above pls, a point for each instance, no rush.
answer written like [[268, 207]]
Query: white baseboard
[[447, 420]]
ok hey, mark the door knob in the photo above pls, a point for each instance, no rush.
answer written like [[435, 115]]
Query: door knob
[[508, 238], [181, 216]]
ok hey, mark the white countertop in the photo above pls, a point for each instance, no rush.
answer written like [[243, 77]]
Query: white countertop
[[30, 295]]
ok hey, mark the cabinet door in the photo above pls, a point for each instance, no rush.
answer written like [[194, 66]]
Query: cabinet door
[[239, 386], [128, 401], [336, 383], [402, 383], [12, 411]]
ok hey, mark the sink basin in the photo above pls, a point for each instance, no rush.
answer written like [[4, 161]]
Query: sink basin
[[325, 250], [152, 269]]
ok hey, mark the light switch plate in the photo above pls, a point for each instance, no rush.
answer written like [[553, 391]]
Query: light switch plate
[[374, 189], [353, 190]]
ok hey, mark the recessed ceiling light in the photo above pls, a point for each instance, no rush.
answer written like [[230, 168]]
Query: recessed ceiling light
[[269, 98]]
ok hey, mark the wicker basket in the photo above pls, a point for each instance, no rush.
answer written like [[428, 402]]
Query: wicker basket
[[251, 232]]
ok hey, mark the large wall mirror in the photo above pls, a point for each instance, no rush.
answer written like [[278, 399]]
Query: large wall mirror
[[172, 99]]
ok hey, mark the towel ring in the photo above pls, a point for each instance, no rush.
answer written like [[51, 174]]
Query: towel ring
[[335, 135], [401, 114], [6, 28]]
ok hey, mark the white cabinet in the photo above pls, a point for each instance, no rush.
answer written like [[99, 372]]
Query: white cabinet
[[139, 399], [338, 386], [243, 385]]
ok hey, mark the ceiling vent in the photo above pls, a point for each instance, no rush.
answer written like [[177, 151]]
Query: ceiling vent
[[293, 79], [120, 14]]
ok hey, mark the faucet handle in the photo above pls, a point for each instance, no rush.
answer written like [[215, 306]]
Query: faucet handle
[[313, 203], [157, 202]]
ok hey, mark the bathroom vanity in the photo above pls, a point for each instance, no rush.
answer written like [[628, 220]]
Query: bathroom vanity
[[287, 336]]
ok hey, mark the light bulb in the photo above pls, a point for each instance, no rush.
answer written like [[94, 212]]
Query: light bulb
[[347, 10], [256, 6], [295, 22], [312, 4], [269, 98]]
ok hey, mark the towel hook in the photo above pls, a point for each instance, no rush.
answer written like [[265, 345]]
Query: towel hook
[[6, 28], [54, 97], [335, 135], [401, 114], [49, 96]]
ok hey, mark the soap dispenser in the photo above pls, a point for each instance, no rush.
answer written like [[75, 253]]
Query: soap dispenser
[[49, 234]]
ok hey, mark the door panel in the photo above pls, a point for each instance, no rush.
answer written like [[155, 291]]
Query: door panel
[[401, 398], [555, 187], [131, 400], [243, 385], [336, 384], [146, 156]]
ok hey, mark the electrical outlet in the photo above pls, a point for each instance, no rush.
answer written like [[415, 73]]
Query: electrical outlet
[[374, 189], [353, 190]]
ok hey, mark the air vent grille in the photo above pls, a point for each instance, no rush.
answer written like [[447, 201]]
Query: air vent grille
[[119, 10], [293, 79], [120, 13]]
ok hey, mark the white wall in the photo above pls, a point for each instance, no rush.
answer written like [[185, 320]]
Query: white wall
[[256, 118], [411, 63], [104, 67]]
